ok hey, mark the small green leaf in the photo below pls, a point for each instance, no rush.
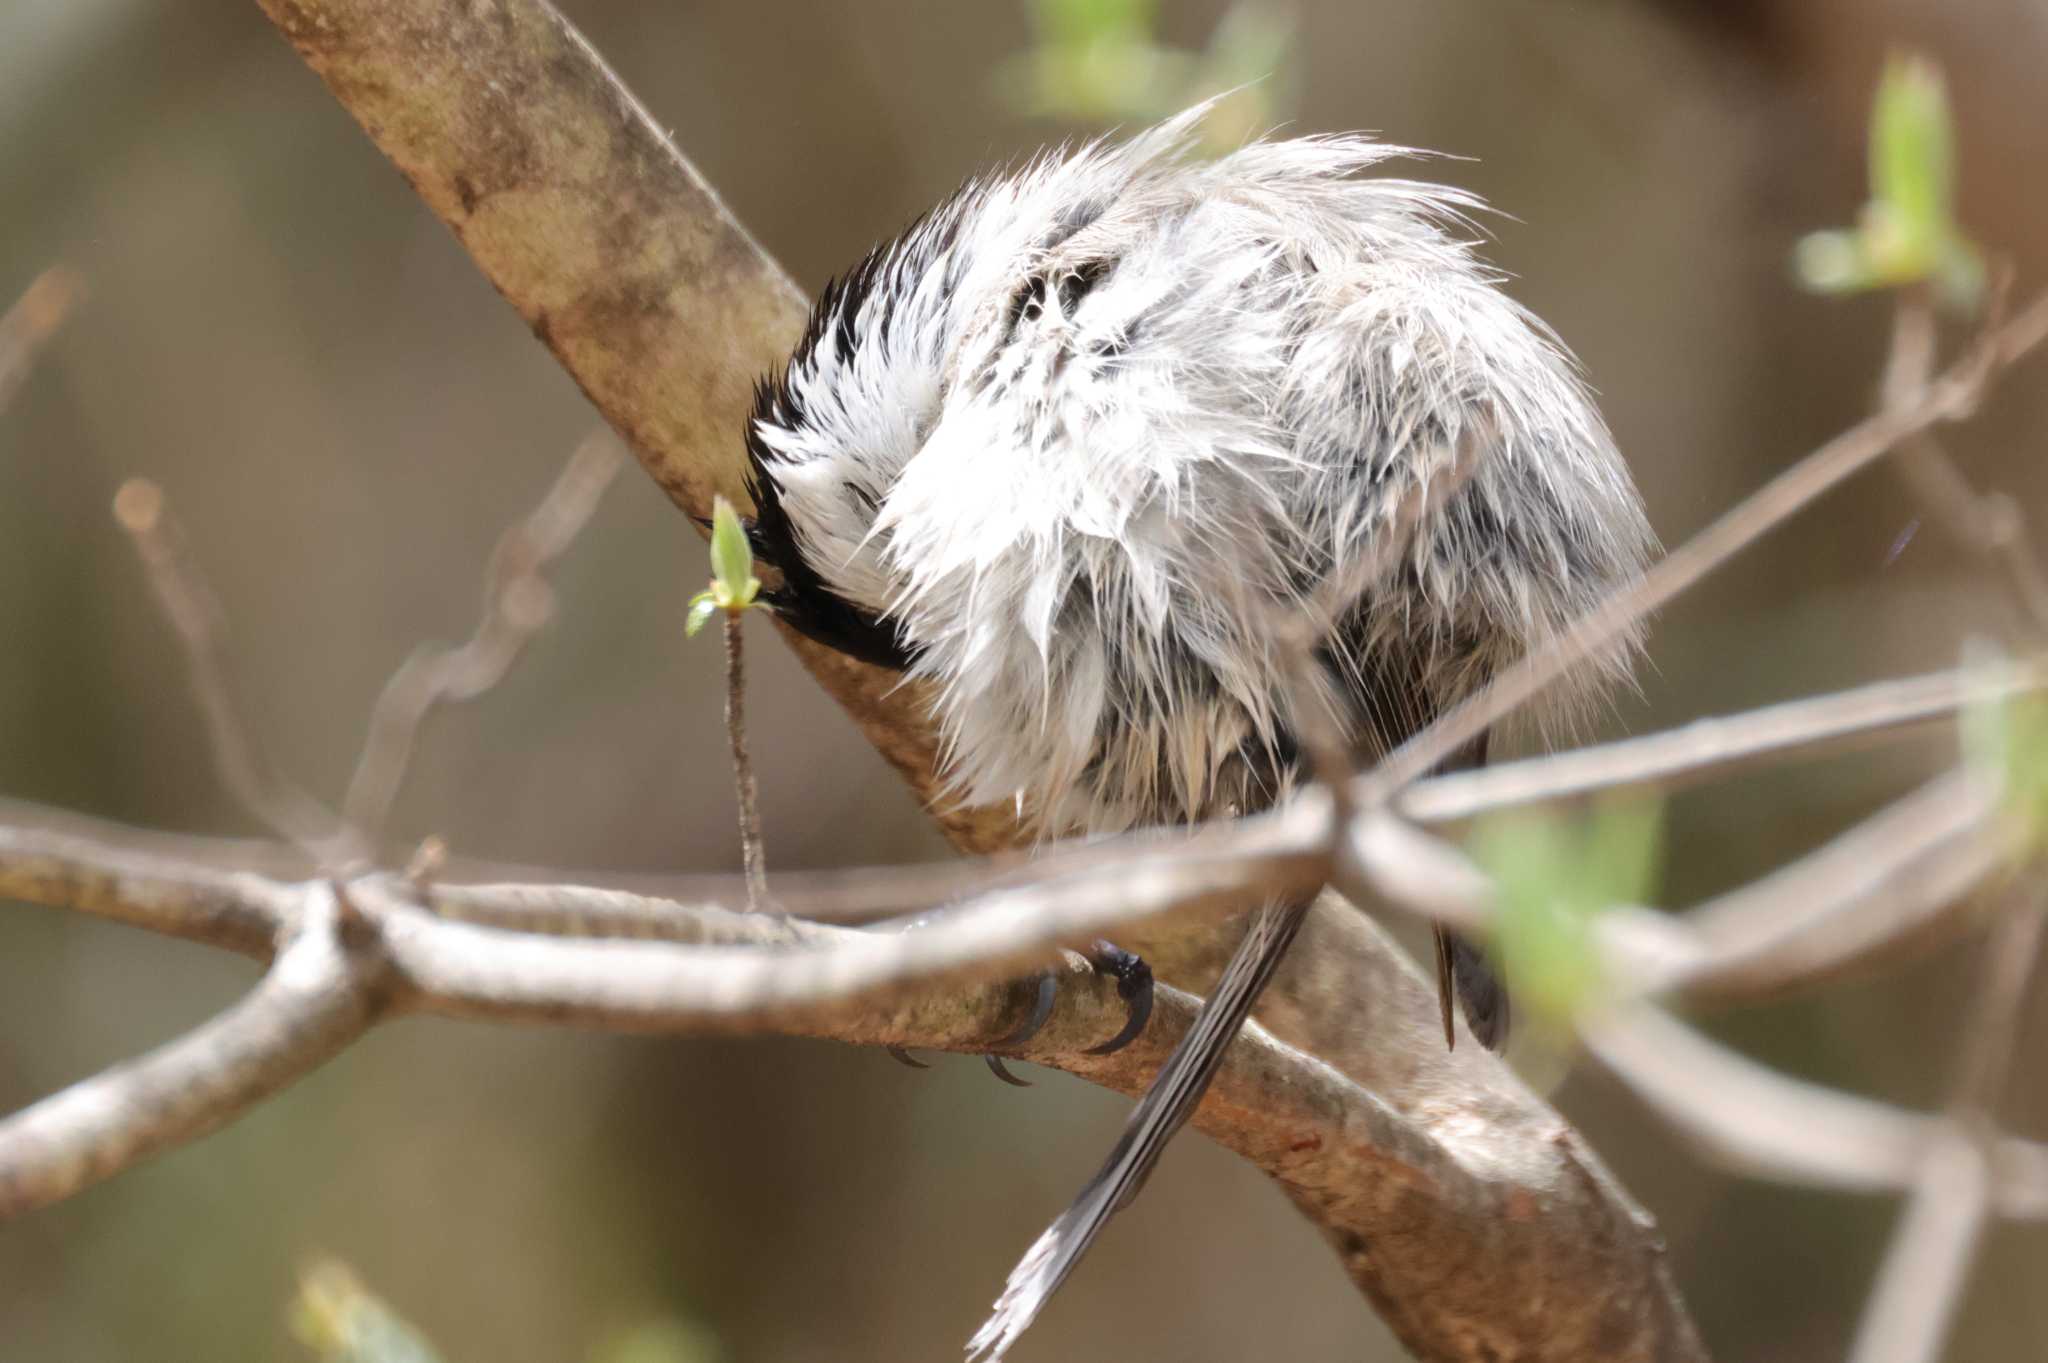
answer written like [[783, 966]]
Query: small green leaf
[[732, 558], [1555, 876], [1832, 262], [1907, 233], [1076, 23], [1912, 151], [702, 607]]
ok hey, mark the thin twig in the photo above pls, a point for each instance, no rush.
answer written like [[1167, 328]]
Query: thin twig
[[195, 614], [311, 1004], [1897, 876], [655, 984], [1986, 524], [753, 853], [2012, 953], [517, 603], [1894, 878], [1808, 728], [1921, 1282], [32, 321], [1755, 1121]]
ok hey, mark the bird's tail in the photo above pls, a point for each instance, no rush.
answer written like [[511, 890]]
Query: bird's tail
[[1163, 1110]]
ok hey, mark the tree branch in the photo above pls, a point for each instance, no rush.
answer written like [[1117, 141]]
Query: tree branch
[[239, 910], [28, 326], [1811, 727], [313, 1001], [195, 614], [1472, 1218]]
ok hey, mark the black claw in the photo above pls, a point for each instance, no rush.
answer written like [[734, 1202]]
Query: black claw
[[1041, 1009], [1002, 1072], [903, 1057], [1133, 985]]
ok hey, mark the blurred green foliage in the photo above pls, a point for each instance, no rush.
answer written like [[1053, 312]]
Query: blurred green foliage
[[1907, 232], [2008, 741], [340, 1320], [1101, 61], [666, 1341], [1556, 873]]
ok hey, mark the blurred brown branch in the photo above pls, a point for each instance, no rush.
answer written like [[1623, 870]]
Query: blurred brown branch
[[195, 614], [517, 603], [1988, 524], [1956, 1187], [28, 326]]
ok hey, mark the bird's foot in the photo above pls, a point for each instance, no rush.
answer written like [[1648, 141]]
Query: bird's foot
[[1133, 985]]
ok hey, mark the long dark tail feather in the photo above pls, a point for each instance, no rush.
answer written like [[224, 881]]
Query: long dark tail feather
[[1161, 1113]]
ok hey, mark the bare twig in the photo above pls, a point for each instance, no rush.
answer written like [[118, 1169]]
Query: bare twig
[[1808, 728], [505, 974], [2012, 952], [1989, 525], [1898, 876], [196, 616], [313, 1001], [28, 326], [1758, 1122], [1921, 1282], [94, 873], [752, 851], [1894, 878], [1928, 1265], [517, 603]]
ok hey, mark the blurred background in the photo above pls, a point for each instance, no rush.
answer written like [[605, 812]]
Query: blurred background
[[345, 416]]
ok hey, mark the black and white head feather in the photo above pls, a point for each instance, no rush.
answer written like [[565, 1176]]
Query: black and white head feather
[[1068, 447]]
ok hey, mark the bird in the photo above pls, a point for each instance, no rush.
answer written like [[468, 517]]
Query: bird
[[1078, 447]]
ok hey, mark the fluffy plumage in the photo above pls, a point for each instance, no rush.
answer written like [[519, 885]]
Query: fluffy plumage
[[1080, 445], [1070, 445]]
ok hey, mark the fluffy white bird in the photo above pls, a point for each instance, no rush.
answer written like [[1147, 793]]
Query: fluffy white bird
[[1075, 445]]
